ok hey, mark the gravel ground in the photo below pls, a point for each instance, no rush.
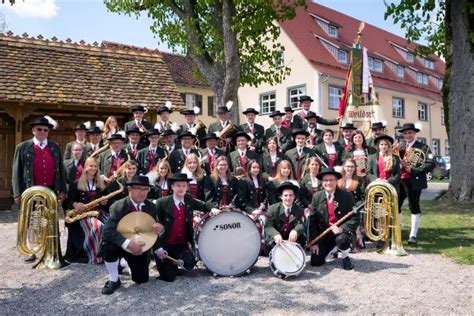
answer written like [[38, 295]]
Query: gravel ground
[[418, 283]]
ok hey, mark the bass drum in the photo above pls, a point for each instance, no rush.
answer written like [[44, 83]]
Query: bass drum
[[288, 259], [228, 243]]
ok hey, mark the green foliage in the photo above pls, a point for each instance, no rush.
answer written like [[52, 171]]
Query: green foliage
[[253, 22], [422, 20], [446, 229]]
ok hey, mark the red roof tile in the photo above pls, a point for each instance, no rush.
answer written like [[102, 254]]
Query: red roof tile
[[52, 71], [306, 33], [182, 70]]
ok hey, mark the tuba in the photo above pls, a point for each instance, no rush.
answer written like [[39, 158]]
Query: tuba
[[38, 227], [381, 220], [227, 132]]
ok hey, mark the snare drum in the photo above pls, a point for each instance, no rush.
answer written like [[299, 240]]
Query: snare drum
[[228, 243], [288, 259]]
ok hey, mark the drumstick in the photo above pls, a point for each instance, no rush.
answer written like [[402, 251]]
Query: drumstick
[[291, 250], [177, 262], [290, 256]]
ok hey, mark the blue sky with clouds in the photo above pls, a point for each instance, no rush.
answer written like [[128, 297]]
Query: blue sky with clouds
[[90, 21]]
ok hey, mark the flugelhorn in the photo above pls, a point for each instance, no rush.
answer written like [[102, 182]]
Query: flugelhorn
[[381, 218], [38, 227]]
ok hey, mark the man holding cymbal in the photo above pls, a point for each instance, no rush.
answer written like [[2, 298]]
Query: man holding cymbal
[[116, 246]]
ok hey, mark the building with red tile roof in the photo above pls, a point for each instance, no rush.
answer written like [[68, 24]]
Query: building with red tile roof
[[317, 45]]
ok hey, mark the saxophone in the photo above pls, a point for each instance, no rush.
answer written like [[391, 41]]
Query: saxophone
[[76, 215]]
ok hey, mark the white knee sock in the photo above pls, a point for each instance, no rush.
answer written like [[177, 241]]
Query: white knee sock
[[345, 253], [400, 218], [112, 269], [415, 224], [124, 263]]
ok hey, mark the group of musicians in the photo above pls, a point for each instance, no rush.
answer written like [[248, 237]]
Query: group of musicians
[[284, 177]]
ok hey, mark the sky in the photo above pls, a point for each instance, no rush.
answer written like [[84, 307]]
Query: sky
[[90, 21]]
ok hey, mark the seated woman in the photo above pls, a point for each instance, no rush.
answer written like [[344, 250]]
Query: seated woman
[[272, 157], [221, 187], [309, 182], [85, 235], [284, 219], [284, 173], [329, 151], [161, 186], [353, 184], [252, 197], [196, 177], [360, 152], [125, 173]]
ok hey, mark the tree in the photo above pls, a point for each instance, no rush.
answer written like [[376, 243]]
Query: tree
[[448, 27], [232, 42], [3, 23]]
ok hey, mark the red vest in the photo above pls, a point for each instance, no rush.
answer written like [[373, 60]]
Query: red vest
[[384, 175], [331, 212], [44, 171], [332, 160], [178, 228]]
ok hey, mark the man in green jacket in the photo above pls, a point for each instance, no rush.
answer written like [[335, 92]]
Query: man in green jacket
[[284, 219], [116, 246], [328, 206], [175, 212]]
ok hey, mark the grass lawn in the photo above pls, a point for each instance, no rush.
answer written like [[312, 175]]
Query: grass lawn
[[446, 229]]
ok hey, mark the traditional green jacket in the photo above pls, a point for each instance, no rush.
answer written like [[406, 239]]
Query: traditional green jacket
[[276, 220], [22, 173]]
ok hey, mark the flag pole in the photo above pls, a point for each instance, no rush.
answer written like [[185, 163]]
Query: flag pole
[[344, 97]]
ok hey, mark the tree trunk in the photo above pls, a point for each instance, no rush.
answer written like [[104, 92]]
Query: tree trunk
[[461, 101]]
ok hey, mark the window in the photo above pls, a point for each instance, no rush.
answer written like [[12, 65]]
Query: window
[[410, 57], [422, 111], [342, 56], [294, 94], [428, 63], [422, 78], [446, 147], [335, 94], [435, 146], [421, 140], [400, 71], [279, 59], [332, 31], [211, 111], [440, 83], [375, 64], [442, 116], [191, 100], [398, 107], [268, 102]]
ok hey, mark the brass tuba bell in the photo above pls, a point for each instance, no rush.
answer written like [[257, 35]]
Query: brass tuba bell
[[381, 220], [38, 227]]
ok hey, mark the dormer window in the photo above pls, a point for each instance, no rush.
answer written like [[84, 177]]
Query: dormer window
[[422, 78], [329, 28], [400, 71], [342, 56], [428, 63], [332, 31], [375, 64]]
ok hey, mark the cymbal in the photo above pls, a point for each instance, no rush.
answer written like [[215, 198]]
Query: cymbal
[[137, 226]]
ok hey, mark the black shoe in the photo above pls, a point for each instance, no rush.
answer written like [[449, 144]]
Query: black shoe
[[30, 259], [110, 287], [412, 240], [347, 264], [380, 244]]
